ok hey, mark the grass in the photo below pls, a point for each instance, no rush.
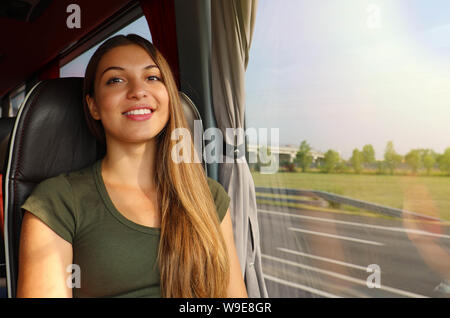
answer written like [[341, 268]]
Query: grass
[[428, 195]]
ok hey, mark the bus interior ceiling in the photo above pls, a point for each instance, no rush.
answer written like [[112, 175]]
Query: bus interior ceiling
[[28, 45]]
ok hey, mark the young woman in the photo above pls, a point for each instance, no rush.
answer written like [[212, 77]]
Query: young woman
[[135, 224]]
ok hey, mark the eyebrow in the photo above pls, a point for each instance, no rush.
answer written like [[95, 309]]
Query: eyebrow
[[122, 69]]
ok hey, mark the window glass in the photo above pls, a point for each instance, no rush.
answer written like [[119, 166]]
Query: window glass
[[360, 203], [77, 66], [16, 100]]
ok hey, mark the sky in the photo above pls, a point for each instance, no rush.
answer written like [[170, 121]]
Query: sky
[[342, 74]]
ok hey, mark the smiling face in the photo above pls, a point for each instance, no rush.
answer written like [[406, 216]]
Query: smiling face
[[130, 98]]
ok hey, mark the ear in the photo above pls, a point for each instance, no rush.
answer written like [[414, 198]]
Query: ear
[[93, 109]]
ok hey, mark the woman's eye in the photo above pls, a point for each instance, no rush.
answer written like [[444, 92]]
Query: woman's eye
[[113, 80], [153, 78]]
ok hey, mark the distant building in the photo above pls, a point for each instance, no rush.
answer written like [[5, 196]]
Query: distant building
[[287, 152]]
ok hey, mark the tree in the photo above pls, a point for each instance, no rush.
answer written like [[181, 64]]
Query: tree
[[342, 166], [381, 167], [391, 158], [368, 154], [414, 160], [303, 157], [331, 161], [428, 159], [357, 160], [444, 161]]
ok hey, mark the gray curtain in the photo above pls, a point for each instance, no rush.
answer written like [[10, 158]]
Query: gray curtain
[[232, 23]]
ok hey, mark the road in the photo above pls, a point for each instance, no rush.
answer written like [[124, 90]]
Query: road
[[310, 253]]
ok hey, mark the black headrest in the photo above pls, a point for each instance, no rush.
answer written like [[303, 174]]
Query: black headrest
[[50, 137], [51, 118]]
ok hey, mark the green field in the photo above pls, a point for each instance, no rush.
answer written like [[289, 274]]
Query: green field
[[421, 194]]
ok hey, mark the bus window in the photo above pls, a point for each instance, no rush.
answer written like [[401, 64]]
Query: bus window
[[77, 66], [16, 100], [359, 206]]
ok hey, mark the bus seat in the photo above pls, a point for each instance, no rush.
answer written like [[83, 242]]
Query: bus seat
[[6, 126], [50, 136], [192, 116]]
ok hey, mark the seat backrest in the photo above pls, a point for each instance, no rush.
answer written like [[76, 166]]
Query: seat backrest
[[6, 126], [50, 137], [194, 121]]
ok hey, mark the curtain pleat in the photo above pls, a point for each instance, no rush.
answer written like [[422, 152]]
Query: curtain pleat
[[232, 24]]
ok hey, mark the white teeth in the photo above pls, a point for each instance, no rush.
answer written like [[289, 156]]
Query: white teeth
[[139, 112]]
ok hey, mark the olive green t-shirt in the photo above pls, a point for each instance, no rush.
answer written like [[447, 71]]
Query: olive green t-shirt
[[116, 256]]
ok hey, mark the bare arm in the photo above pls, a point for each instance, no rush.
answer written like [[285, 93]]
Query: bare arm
[[43, 259], [236, 288]]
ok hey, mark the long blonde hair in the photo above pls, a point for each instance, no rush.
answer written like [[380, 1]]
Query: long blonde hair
[[192, 257]]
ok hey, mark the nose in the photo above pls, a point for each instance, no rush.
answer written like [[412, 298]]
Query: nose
[[137, 90]]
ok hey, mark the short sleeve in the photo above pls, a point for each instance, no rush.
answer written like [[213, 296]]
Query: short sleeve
[[52, 202], [220, 196]]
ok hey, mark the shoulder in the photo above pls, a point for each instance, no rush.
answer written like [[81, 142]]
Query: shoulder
[[217, 190], [213, 184], [220, 197], [54, 185], [57, 192], [63, 183], [81, 178], [55, 201], [52, 202], [51, 193]]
